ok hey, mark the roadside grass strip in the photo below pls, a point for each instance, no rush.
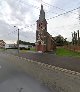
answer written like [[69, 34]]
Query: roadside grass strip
[[65, 52]]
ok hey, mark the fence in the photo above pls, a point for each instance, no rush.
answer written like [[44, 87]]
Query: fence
[[73, 48]]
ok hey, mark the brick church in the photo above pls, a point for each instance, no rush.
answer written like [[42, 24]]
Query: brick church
[[44, 41]]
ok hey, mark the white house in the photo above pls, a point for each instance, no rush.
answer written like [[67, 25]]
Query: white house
[[7, 46], [25, 46]]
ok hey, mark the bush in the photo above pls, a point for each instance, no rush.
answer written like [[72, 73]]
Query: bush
[[23, 48]]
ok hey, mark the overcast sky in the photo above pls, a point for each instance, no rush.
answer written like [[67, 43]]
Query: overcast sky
[[24, 13]]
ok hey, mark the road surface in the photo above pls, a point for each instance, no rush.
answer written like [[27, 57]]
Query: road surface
[[71, 63], [13, 79]]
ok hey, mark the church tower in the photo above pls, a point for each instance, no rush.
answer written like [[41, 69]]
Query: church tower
[[44, 41], [41, 31]]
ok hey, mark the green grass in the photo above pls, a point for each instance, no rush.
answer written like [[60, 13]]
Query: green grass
[[23, 51], [32, 49], [2, 49], [65, 52]]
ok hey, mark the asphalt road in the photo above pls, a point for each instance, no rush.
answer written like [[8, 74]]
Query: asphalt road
[[71, 63], [13, 79]]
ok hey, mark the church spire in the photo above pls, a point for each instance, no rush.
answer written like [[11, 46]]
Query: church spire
[[42, 13], [41, 7]]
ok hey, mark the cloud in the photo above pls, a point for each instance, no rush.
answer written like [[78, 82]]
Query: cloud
[[27, 36], [25, 13], [63, 25], [9, 34]]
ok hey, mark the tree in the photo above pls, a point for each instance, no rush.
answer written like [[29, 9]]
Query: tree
[[60, 41], [26, 43]]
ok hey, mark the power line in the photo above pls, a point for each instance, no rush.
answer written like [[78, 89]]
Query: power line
[[66, 25], [50, 17], [29, 4], [53, 6], [56, 7], [64, 13], [37, 7], [56, 16]]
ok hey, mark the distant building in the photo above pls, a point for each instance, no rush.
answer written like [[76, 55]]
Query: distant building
[[2, 44], [10, 46], [44, 41], [25, 46], [14, 46]]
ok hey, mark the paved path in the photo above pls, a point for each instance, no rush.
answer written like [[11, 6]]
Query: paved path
[[71, 63], [13, 79]]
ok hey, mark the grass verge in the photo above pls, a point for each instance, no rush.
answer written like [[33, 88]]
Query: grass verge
[[65, 52]]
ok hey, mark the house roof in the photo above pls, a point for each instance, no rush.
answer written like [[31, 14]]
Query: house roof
[[2, 41]]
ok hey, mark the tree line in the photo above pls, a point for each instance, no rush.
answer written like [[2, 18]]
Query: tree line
[[26, 43]]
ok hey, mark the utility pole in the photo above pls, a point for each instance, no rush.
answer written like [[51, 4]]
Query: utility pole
[[18, 41], [72, 37]]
